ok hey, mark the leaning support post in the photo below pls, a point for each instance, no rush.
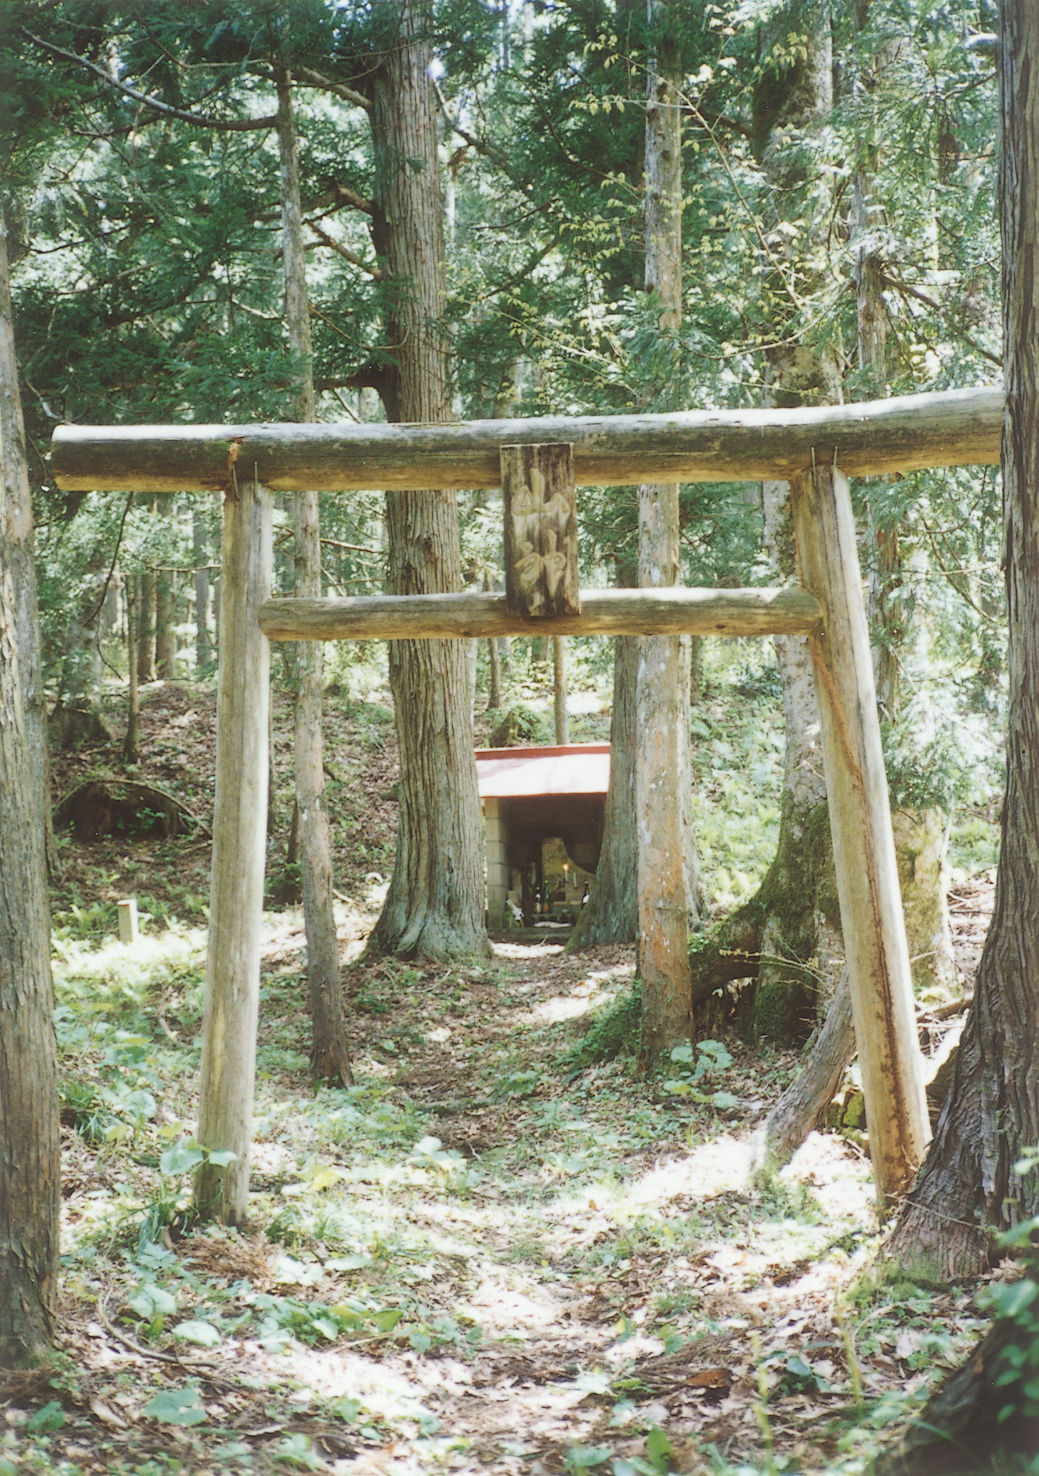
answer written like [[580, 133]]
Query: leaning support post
[[239, 841], [863, 844]]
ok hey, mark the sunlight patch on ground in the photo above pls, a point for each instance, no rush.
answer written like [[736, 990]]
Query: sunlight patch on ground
[[507, 1312], [271, 1158], [335, 1374], [617, 972], [706, 1170], [128, 964], [840, 1179], [584, 996], [527, 950]]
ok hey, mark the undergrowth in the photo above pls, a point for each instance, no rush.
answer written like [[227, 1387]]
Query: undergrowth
[[502, 1250]]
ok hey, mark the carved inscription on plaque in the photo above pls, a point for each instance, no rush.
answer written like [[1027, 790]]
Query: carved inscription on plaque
[[540, 503]]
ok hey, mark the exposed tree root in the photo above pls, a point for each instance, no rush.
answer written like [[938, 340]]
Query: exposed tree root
[[959, 1430]]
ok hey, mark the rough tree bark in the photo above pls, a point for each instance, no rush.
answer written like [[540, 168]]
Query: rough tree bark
[[668, 869], [329, 1054], [611, 914], [559, 689], [968, 1181], [200, 550], [435, 904], [30, 1191], [146, 626], [958, 1432], [165, 627]]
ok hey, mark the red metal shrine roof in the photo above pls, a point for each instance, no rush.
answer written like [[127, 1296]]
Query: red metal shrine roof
[[576, 768]]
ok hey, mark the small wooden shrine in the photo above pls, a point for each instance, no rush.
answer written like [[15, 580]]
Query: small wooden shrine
[[530, 797]]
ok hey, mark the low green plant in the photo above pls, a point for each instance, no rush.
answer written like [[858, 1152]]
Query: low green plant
[[171, 1202], [696, 1065], [315, 1323], [91, 923], [519, 1084], [177, 1407], [1017, 1304]]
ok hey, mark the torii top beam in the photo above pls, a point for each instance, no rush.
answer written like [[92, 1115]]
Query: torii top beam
[[947, 428]]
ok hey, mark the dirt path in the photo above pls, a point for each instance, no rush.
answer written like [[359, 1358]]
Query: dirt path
[[481, 1259], [484, 1257]]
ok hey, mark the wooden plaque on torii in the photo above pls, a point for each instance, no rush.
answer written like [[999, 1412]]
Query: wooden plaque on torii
[[540, 505]]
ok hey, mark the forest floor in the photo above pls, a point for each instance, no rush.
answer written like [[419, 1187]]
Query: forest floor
[[486, 1255]]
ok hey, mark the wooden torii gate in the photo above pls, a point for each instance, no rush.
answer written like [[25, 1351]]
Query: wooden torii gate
[[816, 450]]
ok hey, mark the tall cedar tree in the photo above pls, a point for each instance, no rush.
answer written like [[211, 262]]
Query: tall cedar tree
[[666, 854], [329, 1058], [435, 904], [970, 1181], [30, 1190]]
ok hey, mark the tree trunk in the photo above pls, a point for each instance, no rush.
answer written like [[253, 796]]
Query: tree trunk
[[790, 930], [166, 627], [435, 904], [146, 621], [200, 549], [330, 1054], [330, 1058], [133, 699], [668, 871], [920, 837], [803, 1105], [494, 657], [559, 689], [611, 914], [30, 1190], [970, 1180], [494, 661], [792, 924], [958, 1432]]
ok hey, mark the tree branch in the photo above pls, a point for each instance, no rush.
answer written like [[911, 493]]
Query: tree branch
[[489, 150], [337, 195], [344, 251], [223, 125], [317, 79]]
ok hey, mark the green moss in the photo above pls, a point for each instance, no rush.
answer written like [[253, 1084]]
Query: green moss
[[781, 1005], [615, 1030]]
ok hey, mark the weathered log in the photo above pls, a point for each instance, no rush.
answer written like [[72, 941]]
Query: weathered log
[[724, 612], [232, 999], [863, 841], [948, 428]]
